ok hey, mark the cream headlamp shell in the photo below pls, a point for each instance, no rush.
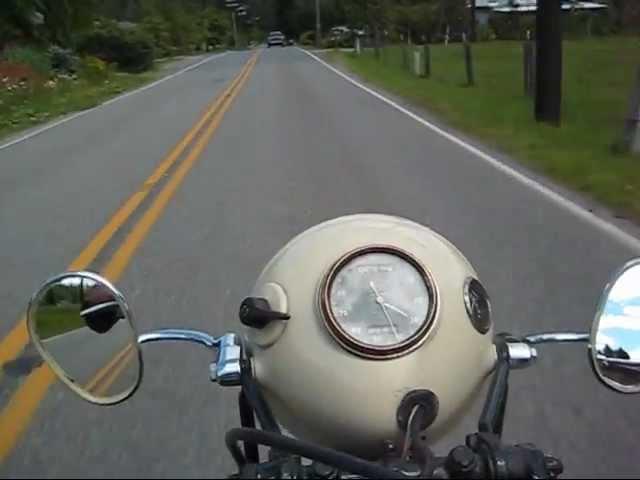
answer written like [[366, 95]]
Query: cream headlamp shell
[[321, 392]]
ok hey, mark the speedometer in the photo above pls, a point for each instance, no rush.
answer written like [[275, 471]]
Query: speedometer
[[378, 302]]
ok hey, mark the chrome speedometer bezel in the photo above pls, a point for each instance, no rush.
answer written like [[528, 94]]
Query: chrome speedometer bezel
[[365, 350]]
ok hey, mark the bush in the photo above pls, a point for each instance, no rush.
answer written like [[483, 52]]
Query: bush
[[580, 24], [485, 33], [38, 60], [63, 60], [512, 27], [218, 28], [326, 43], [308, 38], [345, 42], [158, 29], [186, 29], [130, 49], [94, 70]]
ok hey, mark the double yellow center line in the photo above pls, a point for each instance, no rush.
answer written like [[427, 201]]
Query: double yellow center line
[[100, 383], [16, 415]]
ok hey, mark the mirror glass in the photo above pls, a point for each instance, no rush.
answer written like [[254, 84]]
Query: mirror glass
[[81, 325], [615, 338]]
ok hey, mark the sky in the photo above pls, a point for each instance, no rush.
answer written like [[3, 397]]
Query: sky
[[620, 323]]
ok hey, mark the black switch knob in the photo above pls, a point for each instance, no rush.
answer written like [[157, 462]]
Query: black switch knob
[[554, 466], [257, 313], [461, 460]]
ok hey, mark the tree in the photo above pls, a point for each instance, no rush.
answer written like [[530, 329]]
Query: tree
[[17, 20], [453, 16], [625, 14], [57, 19], [49, 298]]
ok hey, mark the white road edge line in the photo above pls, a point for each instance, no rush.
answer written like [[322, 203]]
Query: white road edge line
[[109, 102], [613, 230]]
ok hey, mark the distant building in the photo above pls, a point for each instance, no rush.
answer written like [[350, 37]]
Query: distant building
[[484, 8], [530, 6]]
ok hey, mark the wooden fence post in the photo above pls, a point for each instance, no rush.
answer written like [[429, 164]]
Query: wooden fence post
[[417, 61], [468, 60], [427, 60], [527, 56], [529, 65], [631, 132]]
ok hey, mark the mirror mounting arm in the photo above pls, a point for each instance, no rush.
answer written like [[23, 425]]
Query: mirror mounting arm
[[557, 337], [227, 368], [179, 335]]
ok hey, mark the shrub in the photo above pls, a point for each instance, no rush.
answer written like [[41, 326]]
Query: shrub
[[512, 27], [218, 28], [580, 24], [38, 60], [186, 30], [94, 70], [158, 29], [130, 49], [345, 41], [308, 38], [349, 41], [485, 33], [63, 60]]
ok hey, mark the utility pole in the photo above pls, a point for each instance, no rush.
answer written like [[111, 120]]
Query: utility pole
[[318, 25], [549, 61], [233, 5], [473, 26], [235, 29]]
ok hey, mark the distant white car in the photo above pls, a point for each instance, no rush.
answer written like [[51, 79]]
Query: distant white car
[[276, 38]]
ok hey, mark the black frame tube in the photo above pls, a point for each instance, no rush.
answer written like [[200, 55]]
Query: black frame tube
[[342, 461], [257, 402], [247, 420], [493, 413]]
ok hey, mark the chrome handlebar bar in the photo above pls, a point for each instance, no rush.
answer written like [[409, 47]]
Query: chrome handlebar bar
[[226, 370]]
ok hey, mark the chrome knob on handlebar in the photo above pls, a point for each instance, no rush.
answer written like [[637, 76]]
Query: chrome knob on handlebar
[[227, 369], [521, 355]]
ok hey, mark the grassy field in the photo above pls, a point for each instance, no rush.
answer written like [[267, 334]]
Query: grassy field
[[598, 76], [53, 321], [27, 107]]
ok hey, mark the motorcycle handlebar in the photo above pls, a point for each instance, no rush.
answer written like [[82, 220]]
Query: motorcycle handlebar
[[483, 457], [327, 456]]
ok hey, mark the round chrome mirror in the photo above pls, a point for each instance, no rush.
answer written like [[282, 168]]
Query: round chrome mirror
[[82, 327], [615, 336]]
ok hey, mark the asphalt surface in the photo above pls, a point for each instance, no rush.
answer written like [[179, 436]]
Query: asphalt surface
[[84, 355], [299, 145]]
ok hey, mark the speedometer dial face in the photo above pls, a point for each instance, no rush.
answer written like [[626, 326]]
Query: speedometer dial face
[[379, 302]]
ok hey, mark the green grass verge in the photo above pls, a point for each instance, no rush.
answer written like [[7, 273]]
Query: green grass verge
[[52, 321], [598, 77], [32, 106]]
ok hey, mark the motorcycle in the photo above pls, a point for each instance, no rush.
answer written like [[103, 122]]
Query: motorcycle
[[362, 343]]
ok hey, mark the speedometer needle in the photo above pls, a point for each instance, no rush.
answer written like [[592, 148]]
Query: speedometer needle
[[380, 301], [396, 309]]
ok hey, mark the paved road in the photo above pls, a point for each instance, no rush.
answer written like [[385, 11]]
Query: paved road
[[91, 358], [299, 145]]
